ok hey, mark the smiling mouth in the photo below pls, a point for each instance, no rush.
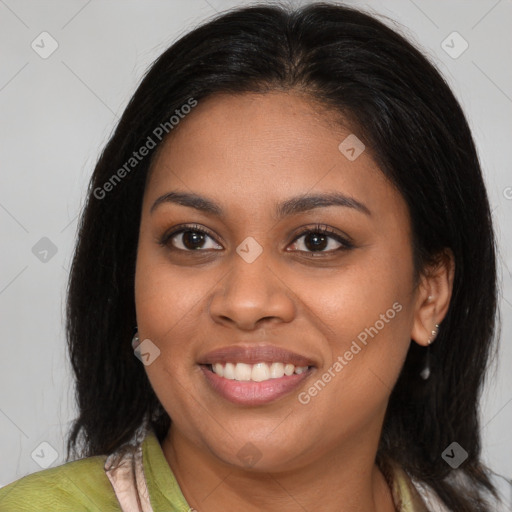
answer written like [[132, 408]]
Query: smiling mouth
[[256, 384], [254, 375], [259, 372]]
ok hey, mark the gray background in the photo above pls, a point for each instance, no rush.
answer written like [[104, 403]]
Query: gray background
[[58, 112]]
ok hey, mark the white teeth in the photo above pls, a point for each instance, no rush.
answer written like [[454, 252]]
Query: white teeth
[[229, 371], [243, 371], [218, 369], [289, 369], [258, 372], [276, 370]]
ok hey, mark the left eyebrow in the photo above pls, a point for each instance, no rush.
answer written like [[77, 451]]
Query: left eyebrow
[[309, 202], [289, 207]]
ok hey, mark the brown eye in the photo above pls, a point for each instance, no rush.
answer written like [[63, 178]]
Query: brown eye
[[193, 239], [190, 239], [320, 240]]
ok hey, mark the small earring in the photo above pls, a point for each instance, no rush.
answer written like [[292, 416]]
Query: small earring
[[425, 373], [434, 334], [135, 339]]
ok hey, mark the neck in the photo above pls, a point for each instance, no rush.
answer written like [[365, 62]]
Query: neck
[[343, 480]]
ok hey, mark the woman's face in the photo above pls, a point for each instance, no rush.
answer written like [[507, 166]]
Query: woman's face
[[264, 285]]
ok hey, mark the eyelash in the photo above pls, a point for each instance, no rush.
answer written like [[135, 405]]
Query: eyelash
[[317, 229]]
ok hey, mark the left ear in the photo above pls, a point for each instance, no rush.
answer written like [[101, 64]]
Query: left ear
[[433, 297]]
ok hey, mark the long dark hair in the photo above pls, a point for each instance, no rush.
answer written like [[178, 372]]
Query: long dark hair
[[400, 106]]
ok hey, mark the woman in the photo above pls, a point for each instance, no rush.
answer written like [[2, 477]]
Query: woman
[[292, 214]]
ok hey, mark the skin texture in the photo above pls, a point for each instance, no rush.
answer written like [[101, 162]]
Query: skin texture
[[247, 153]]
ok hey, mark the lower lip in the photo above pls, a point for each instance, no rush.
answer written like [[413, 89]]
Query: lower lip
[[253, 393]]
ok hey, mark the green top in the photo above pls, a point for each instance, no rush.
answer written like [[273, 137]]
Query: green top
[[83, 485]]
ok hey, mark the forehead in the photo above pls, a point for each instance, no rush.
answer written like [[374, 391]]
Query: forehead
[[250, 148]]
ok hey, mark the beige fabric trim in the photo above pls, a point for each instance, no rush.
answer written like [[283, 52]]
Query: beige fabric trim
[[125, 472], [429, 497]]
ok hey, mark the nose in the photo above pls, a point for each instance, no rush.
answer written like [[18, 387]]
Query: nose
[[252, 294]]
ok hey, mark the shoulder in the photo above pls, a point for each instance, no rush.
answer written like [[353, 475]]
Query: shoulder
[[79, 486]]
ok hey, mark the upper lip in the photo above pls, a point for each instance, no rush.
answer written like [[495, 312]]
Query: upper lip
[[252, 354]]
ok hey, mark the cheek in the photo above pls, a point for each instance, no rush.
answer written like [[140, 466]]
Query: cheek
[[367, 309], [353, 388], [355, 296], [166, 297], [166, 302]]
